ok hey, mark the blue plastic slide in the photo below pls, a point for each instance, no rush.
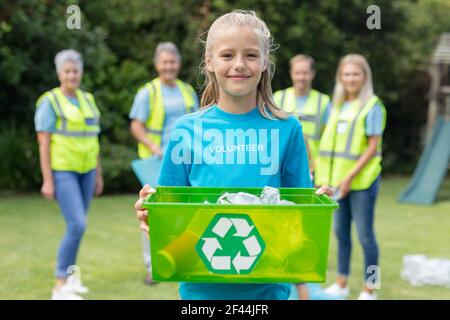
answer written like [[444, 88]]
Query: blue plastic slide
[[432, 168]]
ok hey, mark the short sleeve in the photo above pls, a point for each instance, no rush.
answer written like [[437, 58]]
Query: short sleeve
[[45, 117], [140, 110], [174, 171], [374, 121], [294, 166]]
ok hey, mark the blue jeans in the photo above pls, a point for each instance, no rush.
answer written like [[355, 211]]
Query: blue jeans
[[359, 206], [73, 192]]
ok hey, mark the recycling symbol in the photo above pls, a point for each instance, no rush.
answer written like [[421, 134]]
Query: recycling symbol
[[231, 244]]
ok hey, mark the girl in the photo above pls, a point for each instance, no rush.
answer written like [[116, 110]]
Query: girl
[[350, 159], [237, 110]]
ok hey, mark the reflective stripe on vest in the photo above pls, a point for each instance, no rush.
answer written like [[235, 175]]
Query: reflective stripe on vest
[[148, 130]]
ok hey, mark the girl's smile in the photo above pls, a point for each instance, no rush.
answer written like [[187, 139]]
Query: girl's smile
[[239, 77]]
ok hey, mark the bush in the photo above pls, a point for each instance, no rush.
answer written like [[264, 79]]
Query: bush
[[19, 163], [116, 164]]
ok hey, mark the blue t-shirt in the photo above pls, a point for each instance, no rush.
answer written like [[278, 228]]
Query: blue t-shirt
[[45, 116], [173, 106], [214, 148], [374, 120]]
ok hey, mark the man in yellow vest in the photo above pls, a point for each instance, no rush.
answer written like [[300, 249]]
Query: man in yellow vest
[[311, 106], [156, 107], [67, 123]]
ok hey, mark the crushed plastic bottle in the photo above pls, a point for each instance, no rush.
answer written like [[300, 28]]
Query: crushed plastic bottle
[[286, 202], [238, 198], [270, 195], [420, 270]]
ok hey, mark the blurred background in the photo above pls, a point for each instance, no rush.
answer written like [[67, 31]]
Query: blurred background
[[117, 40]]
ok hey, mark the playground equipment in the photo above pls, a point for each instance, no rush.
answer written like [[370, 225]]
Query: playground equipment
[[433, 164]]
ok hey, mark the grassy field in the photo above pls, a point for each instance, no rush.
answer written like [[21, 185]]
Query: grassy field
[[111, 262]]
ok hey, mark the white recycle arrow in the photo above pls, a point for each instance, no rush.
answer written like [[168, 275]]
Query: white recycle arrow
[[242, 262], [252, 246], [210, 246], [222, 226], [242, 227], [221, 263]]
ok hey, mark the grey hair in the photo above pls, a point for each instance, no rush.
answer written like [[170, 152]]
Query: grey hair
[[68, 55], [169, 47]]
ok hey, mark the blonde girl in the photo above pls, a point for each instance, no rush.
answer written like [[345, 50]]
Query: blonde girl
[[242, 139]]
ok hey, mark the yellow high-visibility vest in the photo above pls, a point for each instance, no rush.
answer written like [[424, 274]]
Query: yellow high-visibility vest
[[310, 117], [343, 142], [74, 145], [155, 121]]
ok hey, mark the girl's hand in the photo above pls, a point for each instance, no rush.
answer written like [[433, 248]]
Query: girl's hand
[[98, 184], [141, 213], [48, 190], [329, 191], [344, 187]]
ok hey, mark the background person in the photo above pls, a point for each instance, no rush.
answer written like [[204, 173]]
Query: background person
[[350, 159], [67, 122], [311, 106], [156, 107]]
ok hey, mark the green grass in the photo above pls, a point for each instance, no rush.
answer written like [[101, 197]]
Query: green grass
[[110, 256]]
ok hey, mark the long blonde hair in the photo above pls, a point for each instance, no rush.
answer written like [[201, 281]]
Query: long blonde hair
[[366, 91], [264, 96]]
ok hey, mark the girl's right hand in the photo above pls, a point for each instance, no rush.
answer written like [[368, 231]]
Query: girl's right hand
[[48, 190], [141, 213]]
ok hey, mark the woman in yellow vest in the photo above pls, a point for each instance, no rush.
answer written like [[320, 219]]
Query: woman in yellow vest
[[67, 125], [350, 160], [156, 107]]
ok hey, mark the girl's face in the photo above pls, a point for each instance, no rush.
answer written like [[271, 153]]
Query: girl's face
[[70, 75], [353, 78], [237, 61]]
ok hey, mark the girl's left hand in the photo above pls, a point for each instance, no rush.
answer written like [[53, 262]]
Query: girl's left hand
[[324, 189], [98, 184]]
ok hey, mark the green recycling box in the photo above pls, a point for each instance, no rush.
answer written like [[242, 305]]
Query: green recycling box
[[193, 239]]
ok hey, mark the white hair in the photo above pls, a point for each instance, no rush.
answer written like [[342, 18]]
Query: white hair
[[68, 55], [169, 47]]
